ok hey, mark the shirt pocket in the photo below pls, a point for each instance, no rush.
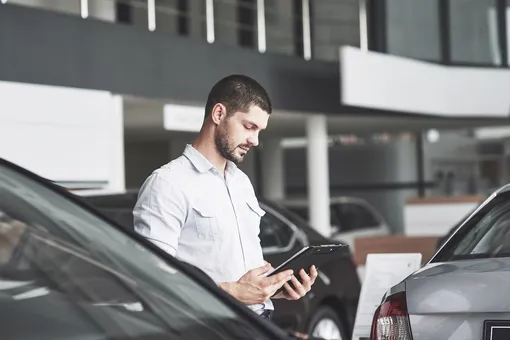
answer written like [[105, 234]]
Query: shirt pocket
[[206, 221], [253, 215]]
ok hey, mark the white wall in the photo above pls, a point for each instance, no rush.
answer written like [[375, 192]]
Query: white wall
[[63, 134], [386, 82], [435, 219]]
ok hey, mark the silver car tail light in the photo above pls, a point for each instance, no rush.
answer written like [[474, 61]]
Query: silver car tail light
[[391, 320]]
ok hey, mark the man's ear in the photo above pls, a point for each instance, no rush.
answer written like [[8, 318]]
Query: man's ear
[[218, 113]]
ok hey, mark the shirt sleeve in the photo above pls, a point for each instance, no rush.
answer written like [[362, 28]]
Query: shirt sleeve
[[160, 212]]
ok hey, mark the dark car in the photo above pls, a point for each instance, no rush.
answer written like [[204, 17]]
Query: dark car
[[69, 272], [328, 311]]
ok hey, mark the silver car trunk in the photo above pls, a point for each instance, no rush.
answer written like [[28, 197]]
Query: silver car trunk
[[453, 300]]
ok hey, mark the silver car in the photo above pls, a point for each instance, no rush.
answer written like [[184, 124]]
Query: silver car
[[350, 218], [463, 292]]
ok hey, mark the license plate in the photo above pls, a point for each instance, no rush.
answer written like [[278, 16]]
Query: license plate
[[496, 330]]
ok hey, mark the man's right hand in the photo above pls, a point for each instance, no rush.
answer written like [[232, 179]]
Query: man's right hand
[[254, 288]]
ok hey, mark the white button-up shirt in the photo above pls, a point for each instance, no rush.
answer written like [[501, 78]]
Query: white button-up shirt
[[190, 210]]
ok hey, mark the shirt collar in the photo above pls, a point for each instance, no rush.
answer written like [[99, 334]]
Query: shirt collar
[[202, 164]]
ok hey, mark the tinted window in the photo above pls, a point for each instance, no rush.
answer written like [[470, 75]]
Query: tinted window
[[355, 217], [274, 232], [66, 274], [486, 235], [301, 211]]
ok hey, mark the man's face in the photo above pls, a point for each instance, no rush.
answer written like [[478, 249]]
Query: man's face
[[239, 132]]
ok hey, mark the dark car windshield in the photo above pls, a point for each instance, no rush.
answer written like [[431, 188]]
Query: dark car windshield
[[67, 274], [485, 235]]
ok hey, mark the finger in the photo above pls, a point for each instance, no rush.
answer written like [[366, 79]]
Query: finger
[[313, 272], [298, 287], [271, 268], [269, 290], [304, 275], [260, 270], [272, 288], [306, 280], [293, 295], [275, 279]]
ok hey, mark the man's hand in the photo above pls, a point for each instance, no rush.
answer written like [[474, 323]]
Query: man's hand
[[300, 289], [254, 288]]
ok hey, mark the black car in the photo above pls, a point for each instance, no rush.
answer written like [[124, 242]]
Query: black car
[[328, 311], [69, 272]]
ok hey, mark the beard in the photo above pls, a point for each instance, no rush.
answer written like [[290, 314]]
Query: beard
[[226, 147]]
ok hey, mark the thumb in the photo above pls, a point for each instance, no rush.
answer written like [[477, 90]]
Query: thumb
[[261, 270]]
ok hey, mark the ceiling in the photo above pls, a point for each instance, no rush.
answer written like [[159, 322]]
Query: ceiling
[[143, 119]]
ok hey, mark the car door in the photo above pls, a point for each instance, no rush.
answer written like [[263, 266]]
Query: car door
[[280, 239]]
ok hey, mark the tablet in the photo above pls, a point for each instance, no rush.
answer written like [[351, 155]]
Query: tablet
[[308, 256]]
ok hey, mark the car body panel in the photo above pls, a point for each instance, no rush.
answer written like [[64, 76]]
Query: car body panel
[[467, 282], [54, 266], [452, 300]]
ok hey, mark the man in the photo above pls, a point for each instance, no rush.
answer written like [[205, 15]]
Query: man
[[202, 209]]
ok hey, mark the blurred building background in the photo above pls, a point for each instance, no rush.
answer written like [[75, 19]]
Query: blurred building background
[[387, 100]]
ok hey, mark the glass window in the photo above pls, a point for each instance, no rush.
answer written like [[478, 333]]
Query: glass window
[[355, 217], [301, 211], [413, 29], [65, 273], [474, 32], [487, 235], [274, 232]]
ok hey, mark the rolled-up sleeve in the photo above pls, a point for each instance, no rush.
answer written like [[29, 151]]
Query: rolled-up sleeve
[[160, 212]]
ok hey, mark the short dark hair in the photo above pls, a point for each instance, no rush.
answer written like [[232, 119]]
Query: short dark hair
[[238, 93]]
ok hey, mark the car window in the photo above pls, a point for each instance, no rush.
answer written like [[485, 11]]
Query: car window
[[274, 233], [65, 273], [486, 235], [304, 213], [354, 217], [301, 211]]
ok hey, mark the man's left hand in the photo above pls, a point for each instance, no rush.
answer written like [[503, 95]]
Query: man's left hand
[[298, 289]]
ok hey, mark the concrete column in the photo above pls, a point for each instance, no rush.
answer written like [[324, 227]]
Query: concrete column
[[273, 185], [318, 174], [117, 181]]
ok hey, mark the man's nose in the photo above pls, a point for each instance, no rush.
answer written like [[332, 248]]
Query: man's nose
[[254, 139]]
